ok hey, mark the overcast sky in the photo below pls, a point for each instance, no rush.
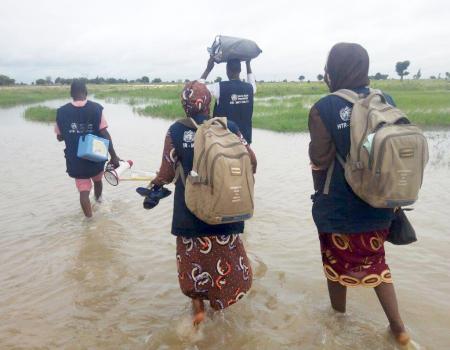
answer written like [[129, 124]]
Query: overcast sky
[[168, 39]]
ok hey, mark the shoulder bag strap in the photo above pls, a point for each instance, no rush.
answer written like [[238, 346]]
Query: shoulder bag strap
[[326, 187], [347, 95]]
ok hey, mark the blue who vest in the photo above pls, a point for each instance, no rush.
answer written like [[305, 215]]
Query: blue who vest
[[341, 210], [236, 103], [184, 223], [74, 122]]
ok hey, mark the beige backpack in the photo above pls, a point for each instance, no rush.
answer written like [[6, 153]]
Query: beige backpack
[[387, 155], [219, 189]]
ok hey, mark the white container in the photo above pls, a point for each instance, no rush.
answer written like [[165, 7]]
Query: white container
[[113, 175]]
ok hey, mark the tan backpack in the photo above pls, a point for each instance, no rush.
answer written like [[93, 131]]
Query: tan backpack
[[387, 155], [219, 189]]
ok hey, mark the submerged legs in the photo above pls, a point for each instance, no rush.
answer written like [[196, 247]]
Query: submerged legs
[[338, 295], [98, 188], [388, 300], [198, 308], [86, 203]]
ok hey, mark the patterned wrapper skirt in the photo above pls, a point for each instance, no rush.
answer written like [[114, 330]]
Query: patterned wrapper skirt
[[355, 259], [214, 268]]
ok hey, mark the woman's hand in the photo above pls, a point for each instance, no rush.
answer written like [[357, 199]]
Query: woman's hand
[[114, 161]]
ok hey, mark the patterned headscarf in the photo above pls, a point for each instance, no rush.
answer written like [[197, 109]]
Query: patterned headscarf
[[195, 99], [347, 67]]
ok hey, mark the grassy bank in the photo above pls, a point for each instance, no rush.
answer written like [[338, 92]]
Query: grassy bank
[[284, 106], [40, 114], [278, 106], [13, 96]]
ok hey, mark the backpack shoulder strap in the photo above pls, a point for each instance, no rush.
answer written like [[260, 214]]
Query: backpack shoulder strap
[[374, 93], [179, 174], [330, 171], [347, 95], [217, 120]]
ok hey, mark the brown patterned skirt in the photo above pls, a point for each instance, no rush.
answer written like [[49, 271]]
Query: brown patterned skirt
[[355, 259], [214, 268]]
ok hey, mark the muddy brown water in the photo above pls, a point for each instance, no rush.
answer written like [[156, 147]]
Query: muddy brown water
[[111, 283]]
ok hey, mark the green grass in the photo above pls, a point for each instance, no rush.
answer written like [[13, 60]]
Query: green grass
[[126, 93], [167, 110], [40, 114], [278, 106], [284, 106], [13, 96]]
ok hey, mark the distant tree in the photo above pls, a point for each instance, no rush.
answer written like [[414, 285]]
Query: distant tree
[[401, 68], [156, 81], [48, 80], [5, 80], [186, 80], [319, 77], [40, 82], [417, 75], [284, 80], [218, 80], [439, 76], [61, 81], [433, 77], [145, 79], [379, 76], [301, 77], [447, 75]]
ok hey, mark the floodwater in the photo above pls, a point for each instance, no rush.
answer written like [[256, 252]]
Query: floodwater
[[111, 282]]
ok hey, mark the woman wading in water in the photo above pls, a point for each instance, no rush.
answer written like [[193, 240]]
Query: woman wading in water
[[211, 259], [351, 232]]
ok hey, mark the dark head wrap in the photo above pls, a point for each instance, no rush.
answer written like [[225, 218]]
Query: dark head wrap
[[347, 67], [195, 99]]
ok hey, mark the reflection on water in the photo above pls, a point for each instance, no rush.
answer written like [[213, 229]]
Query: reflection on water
[[111, 282]]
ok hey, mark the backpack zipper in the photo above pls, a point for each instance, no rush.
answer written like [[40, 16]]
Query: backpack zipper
[[371, 155], [360, 145], [209, 149], [203, 150]]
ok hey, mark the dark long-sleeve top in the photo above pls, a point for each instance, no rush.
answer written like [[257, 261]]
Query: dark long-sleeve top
[[322, 150]]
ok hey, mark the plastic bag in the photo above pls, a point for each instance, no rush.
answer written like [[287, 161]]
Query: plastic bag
[[225, 48], [401, 231]]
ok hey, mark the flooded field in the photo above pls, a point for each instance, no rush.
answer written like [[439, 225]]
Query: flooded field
[[111, 283]]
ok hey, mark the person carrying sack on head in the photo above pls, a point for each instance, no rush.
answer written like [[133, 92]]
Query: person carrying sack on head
[[213, 194], [74, 121], [352, 232], [234, 98]]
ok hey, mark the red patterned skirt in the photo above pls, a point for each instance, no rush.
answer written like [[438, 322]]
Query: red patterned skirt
[[355, 259], [214, 268]]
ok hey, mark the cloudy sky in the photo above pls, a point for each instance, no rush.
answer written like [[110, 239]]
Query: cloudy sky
[[168, 39]]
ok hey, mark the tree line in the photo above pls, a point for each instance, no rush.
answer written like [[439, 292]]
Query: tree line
[[400, 68], [97, 80]]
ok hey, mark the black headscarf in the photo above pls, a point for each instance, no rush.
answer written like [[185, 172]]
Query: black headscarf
[[347, 67]]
